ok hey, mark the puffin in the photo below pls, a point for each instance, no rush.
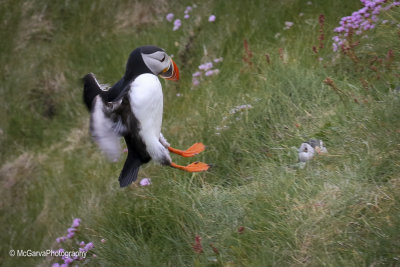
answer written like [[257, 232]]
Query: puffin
[[308, 149], [306, 152], [132, 108]]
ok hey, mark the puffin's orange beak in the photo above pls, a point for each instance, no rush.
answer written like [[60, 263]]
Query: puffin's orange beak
[[171, 73]]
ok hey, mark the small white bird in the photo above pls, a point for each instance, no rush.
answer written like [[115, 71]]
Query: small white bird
[[133, 109], [306, 152]]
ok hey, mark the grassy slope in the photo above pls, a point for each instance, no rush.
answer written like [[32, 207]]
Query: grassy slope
[[342, 209]]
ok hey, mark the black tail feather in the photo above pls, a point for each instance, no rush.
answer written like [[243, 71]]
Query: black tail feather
[[91, 89], [131, 167]]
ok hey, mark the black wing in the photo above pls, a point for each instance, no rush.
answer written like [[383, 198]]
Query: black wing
[[91, 88]]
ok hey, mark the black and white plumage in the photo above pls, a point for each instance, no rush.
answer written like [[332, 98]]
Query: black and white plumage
[[132, 108], [306, 152], [308, 149]]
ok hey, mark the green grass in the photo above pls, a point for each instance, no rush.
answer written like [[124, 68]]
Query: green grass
[[342, 209]]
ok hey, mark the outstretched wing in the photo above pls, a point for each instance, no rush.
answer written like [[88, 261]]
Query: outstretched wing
[[105, 130]]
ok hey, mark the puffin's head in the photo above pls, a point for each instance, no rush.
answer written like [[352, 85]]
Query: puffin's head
[[159, 63]]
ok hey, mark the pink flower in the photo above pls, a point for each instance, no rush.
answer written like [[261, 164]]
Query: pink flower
[[103, 241], [211, 18], [170, 17]]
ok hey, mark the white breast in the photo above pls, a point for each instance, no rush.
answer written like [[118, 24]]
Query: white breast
[[146, 99]]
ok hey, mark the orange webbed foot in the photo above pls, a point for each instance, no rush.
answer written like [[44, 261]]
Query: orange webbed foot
[[193, 167], [190, 152]]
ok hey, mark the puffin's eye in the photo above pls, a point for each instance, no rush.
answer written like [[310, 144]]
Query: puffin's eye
[[162, 60]]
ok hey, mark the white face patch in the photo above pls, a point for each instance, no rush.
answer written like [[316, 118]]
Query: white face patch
[[157, 62]]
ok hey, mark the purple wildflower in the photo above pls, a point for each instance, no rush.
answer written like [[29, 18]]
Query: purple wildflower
[[72, 230], [70, 235], [195, 81], [89, 246], [61, 239], [196, 74], [218, 59], [76, 222], [68, 261], [211, 18], [170, 17], [361, 20], [145, 182], [188, 9], [212, 72], [209, 73], [82, 244], [206, 66], [186, 16], [177, 24], [55, 265], [336, 39]]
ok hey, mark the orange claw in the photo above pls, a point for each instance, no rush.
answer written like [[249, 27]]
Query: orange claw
[[193, 167], [190, 152]]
